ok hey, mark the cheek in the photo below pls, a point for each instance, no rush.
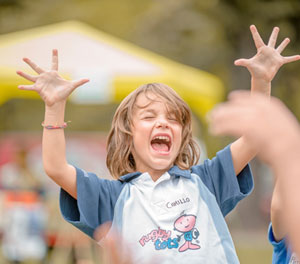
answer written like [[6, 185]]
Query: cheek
[[179, 136]]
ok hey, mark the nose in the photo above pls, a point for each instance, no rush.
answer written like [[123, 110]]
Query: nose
[[162, 124]]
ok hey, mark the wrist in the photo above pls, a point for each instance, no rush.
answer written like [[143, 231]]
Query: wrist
[[55, 113], [261, 85], [56, 107]]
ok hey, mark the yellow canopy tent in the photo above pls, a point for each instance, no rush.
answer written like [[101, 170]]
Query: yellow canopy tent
[[115, 67]]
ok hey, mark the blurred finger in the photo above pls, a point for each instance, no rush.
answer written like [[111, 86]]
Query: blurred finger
[[36, 68], [102, 231], [291, 58], [54, 66], [246, 98], [114, 251], [273, 37], [224, 120], [239, 94], [27, 87], [256, 37], [283, 44], [27, 76]]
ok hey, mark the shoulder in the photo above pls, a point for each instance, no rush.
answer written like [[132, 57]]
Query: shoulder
[[222, 161], [90, 182]]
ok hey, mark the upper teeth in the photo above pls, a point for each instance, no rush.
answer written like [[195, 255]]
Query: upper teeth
[[163, 138]]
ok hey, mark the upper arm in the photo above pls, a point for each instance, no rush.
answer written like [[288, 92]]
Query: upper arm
[[66, 179], [278, 225], [242, 153], [95, 203]]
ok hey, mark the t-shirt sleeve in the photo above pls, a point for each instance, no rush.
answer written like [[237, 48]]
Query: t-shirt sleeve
[[219, 177], [280, 252], [96, 199]]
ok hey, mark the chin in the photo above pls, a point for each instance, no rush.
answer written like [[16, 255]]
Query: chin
[[162, 165]]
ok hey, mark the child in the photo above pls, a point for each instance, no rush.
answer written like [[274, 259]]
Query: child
[[163, 204], [270, 126]]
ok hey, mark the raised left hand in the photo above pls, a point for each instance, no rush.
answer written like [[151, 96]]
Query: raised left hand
[[268, 59]]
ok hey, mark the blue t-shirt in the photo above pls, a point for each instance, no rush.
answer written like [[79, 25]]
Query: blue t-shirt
[[153, 217], [282, 254]]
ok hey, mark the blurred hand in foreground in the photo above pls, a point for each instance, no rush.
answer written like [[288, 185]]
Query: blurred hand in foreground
[[265, 122], [271, 127]]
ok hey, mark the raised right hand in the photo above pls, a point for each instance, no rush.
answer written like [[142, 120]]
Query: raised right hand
[[49, 84]]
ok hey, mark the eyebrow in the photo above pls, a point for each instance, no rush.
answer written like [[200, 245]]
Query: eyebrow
[[145, 110]]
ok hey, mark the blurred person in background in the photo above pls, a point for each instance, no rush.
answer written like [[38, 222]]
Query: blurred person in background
[[23, 212], [273, 129], [83, 193]]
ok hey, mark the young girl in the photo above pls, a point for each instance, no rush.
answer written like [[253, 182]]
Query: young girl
[[162, 203]]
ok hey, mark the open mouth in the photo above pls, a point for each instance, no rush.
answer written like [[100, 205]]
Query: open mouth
[[161, 143]]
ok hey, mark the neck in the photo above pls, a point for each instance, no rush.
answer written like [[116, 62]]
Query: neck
[[155, 175]]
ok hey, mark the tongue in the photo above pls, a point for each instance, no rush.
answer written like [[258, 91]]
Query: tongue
[[160, 147]]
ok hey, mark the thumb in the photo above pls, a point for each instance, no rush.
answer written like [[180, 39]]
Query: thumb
[[78, 83], [241, 62]]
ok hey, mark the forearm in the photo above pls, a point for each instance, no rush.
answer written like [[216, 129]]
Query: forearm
[[260, 85], [54, 147], [242, 150], [242, 153], [54, 150]]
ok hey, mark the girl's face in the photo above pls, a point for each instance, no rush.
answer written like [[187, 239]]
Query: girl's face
[[156, 136]]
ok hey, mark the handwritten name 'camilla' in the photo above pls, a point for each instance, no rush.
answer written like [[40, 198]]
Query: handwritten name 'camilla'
[[178, 202]]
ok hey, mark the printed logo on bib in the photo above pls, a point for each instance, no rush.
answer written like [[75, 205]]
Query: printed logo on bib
[[162, 239]]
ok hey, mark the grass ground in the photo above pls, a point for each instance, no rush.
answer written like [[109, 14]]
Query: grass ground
[[252, 247]]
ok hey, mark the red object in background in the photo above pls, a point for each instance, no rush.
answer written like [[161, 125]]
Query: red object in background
[[26, 198], [7, 150]]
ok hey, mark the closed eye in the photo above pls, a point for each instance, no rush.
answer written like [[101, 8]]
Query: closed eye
[[148, 117], [173, 119]]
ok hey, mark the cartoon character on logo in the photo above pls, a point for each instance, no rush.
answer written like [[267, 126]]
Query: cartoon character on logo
[[185, 224]]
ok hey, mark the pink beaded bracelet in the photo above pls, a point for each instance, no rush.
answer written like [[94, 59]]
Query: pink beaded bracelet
[[64, 125]]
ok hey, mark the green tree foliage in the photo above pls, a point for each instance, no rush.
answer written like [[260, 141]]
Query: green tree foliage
[[208, 35]]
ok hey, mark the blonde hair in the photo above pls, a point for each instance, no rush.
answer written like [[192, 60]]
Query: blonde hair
[[119, 159]]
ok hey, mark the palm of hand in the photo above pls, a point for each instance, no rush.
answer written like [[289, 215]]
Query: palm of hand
[[265, 63], [52, 87], [49, 84], [268, 60]]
